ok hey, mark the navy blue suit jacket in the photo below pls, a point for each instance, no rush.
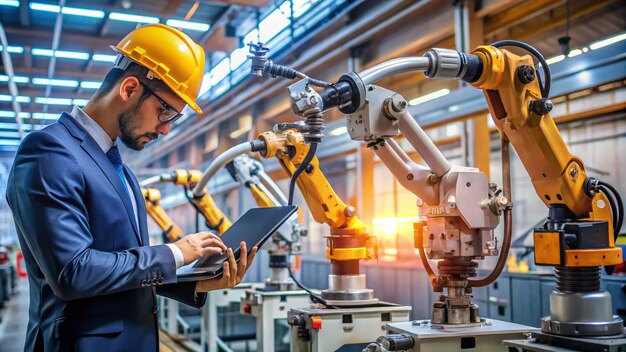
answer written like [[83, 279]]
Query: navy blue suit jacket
[[92, 276]]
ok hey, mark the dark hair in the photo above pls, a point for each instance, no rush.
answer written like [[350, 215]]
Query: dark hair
[[117, 74]]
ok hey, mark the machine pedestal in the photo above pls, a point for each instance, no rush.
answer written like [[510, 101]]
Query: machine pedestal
[[270, 307], [341, 329], [219, 298], [543, 342], [484, 337]]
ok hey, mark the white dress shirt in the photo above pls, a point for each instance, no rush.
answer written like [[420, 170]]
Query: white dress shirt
[[104, 141]]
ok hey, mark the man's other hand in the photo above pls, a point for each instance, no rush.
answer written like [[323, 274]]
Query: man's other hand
[[198, 245], [233, 272]]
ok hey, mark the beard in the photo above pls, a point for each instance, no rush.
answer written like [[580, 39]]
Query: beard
[[129, 122]]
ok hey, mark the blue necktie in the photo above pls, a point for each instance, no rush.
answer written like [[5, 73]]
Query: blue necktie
[[116, 159]]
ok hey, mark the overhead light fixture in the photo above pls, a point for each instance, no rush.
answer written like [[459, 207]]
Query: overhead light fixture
[[608, 41], [55, 82], [14, 126], [206, 84], [118, 16], [90, 84], [16, 79], [66, 10], [9, 134], [429, 96], [44, 7], [25, 126], [60, 53], [53, 101], [194, 26], [82, 12], [45, 116], [19, 98], [104, 58], [245, 125], [10, 142], [9, 113], [9, 3], [338, 131], [574, 52], [13, 49], [555, 59]]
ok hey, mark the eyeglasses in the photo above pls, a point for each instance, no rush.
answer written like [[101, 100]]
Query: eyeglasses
[[168, 113]]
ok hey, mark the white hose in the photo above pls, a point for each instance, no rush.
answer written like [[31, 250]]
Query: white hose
[[394, 67], [218, 163], [272, 187], [151, 181]]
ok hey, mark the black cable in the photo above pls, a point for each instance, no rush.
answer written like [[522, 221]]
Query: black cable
[[614, 212], [618, 200], [617, 206], [305, 163], [314, 298], [545, 88], [195, 206]]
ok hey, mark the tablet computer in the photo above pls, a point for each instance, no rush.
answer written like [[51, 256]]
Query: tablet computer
[[254, 227]]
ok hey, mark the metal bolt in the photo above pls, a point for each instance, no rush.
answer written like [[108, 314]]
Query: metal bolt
[[541, 106], [573, 172], [350, 211], [525, 74], [501, 201], [432, 179]]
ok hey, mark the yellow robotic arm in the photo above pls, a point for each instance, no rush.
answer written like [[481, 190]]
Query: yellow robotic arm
[[559, 178], [584, 213], [205, 204], [158, 214], [348, 242]]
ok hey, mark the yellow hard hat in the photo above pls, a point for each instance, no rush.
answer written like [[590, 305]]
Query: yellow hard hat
[[172, 57]]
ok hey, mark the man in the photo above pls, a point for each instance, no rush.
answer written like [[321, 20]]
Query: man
[[80, 214]]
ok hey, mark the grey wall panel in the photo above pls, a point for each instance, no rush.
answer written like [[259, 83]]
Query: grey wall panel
[[525, 293]]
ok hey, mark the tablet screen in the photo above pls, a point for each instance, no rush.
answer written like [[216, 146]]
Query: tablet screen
[[254, 227]]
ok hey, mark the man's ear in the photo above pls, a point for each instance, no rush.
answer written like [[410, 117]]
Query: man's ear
[[129, 88]]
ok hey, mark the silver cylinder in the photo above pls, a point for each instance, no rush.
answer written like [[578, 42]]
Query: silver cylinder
[[581, 314], [581, 306], [346, 282], [444, 64], [347, 288]]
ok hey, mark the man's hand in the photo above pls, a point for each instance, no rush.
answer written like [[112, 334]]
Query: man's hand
[[233, 272], [198, 245]]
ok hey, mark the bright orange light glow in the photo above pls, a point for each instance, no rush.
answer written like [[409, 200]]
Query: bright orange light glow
[[395, 237], [408, 219]]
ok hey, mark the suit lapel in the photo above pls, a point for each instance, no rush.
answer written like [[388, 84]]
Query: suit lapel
[[95, 152], [141, 205]]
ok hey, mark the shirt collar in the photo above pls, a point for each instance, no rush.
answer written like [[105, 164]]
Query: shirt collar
[[93, 128]]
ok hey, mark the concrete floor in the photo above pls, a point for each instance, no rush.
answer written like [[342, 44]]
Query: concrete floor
[[14, 317]]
